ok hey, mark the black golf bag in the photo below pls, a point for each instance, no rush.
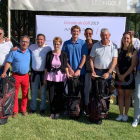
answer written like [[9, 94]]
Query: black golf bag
[[73, 97], [7, 96], [97, 104]]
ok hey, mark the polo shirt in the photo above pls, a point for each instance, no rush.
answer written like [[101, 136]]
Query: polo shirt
[[5, 48], [103, 54], [39, 56], [75, 53], [20, 61]]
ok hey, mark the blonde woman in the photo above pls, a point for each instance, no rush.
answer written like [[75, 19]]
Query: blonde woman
[[56, 73], [125, 82]]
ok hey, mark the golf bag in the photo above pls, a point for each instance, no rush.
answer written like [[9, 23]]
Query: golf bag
[[97, 105], [73, 97], [7, 95]]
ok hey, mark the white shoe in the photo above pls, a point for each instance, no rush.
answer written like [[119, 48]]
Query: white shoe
[[119, 118], [57, 116], [125, 118], [135, 123]]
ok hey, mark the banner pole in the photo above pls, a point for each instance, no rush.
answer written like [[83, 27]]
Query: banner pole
[[9, 19]]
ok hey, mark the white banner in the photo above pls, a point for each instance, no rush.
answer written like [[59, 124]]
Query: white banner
[[109, 6], [52, 26]]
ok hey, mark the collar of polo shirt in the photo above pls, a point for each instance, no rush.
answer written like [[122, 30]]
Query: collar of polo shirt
[[77, 42], [104, 45], [42, 46]]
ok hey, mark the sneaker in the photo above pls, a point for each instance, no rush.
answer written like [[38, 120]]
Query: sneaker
[[135, 123], [42, 112], [57, 116], [32, 111], [83, 113], [119, 118], [52, 116], [86, 110], [125, 118], [24, 113], [66, 113], [14, 115]]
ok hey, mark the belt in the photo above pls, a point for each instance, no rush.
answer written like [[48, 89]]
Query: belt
[[40, 73], [18, 73], [101, 69]]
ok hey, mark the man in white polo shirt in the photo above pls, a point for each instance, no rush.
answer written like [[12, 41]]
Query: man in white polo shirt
[[104, 57], [5, 48], [136, 41], [39, 52]]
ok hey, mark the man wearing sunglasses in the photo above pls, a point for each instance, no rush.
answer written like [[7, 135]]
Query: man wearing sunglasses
[[136, 41], [5, 47], [87, 87], [20, 60]]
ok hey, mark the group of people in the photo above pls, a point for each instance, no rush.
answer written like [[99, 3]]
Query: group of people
[[85, 59]]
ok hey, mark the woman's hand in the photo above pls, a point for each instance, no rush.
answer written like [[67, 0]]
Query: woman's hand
[[68, 75], [71, 72], [121, 78], [45, 82]]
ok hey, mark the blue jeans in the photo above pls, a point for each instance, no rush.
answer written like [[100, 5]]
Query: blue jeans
[[1, 71], [100, 73], [34, 93], [137, 98]]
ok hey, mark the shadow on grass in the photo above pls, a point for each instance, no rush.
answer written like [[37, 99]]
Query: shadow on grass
[[85, 119], [82, 119], [47, 112], [113, 116]]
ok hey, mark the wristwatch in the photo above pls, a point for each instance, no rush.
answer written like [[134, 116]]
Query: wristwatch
[[79, 68]]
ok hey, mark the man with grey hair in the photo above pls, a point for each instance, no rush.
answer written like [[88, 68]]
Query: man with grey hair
[[20, 60], [104, 57], [5, 47], [136, 41]]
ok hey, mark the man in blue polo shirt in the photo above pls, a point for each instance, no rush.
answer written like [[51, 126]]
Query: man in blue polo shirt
[[77, 51], [20, 60]]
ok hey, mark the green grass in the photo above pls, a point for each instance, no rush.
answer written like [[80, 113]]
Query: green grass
[[35, 127]]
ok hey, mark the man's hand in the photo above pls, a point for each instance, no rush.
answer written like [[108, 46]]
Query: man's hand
[[77, 73], [7, 39], [106, 75], [92, 75], [3, 75], [15, 48]]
